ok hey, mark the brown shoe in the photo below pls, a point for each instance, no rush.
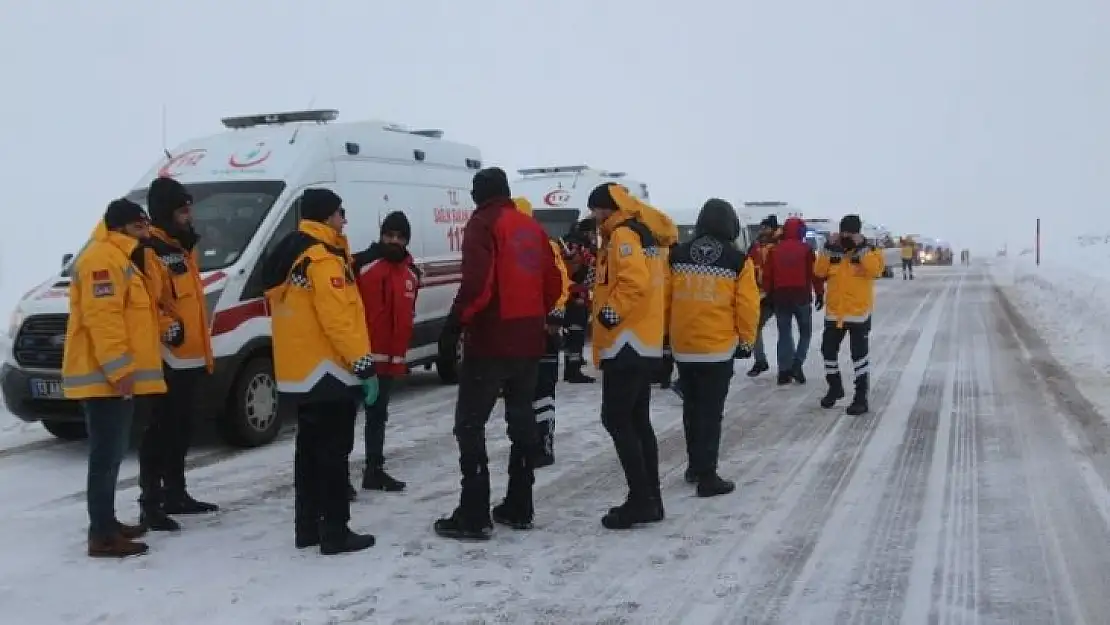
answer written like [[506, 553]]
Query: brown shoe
[[131, 532], [115, 547]]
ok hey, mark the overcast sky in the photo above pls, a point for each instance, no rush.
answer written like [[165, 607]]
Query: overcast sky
[[962, 119]]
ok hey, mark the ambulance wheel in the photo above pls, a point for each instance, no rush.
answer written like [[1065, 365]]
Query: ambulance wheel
[[252, 418], [448, 370], [66, 430]]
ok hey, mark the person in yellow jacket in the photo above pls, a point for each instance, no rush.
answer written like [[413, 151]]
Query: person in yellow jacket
[[714, 315], [186, 356], [850, 267], [111, 357], [547, 377], [909, 250], [322, 364], [629, 309]]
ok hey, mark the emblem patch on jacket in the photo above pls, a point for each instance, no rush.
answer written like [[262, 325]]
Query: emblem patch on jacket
[[625, 250], [103, 289], [101, 275], [337, 282]]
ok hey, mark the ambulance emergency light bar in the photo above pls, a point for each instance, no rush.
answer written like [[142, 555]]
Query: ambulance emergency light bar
[[319, 116], [568, 169]]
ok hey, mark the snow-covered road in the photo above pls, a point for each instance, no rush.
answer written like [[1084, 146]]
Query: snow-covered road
[[975, 492]]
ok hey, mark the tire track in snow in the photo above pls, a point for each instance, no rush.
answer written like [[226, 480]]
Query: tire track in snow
[[790, 526], [830, 534]]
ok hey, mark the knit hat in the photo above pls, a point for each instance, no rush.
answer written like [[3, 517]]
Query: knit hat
[[851, 224], [122, 212], [771, 221], [164, 197], [319, 204], [490, 184], [397, 222], [601, 198]]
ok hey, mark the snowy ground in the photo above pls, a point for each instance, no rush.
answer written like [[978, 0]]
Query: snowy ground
[[974, 493]]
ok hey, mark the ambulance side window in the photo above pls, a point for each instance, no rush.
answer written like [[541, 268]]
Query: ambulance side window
[[287, 224]]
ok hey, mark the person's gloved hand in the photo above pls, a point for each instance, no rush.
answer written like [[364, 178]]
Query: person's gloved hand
[[743, 352], [370, 391], [174, 335], [449, 339], [819, 302]]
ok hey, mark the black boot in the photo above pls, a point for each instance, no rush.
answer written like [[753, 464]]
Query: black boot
[[859, 400], [180, 502], [376, 478], [572, 372], [712, 485], [517, 511], [836, 390], [459, 526], [306, 533], [545, 455], [153, 517], [785, 377], [758, 368], [798, 374], [633, 512], [337, 539]]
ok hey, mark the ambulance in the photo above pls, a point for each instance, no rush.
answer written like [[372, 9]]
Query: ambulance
[[245, 182], [558, 193]]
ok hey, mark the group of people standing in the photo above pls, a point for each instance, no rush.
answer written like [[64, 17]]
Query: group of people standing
[[342, 323]]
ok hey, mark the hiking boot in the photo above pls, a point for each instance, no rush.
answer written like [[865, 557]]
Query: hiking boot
[[343, 540], [511, 516], [458, 528], [378, 479], [859, 400], [115, 547], [798, 374], [131, 532], [835, 393], [155, 519], [713, 485], [758, 368], [632, 513], [785, 377], [183, 503]]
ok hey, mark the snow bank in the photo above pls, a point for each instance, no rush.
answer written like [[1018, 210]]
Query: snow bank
[[1067, 299]]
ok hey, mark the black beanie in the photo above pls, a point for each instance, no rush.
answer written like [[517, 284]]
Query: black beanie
[[399, 223], [319, 204], [490, 184], [772, 221], [851, 224], [601, 198], [122, 212], [165, 196]]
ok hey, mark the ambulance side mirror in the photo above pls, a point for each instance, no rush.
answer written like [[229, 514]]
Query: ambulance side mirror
[[65, 259]]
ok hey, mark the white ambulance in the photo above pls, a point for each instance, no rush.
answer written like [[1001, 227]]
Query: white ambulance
[[558, 194], [244, 182]]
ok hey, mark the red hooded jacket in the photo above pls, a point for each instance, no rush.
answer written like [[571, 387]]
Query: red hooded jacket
[[388, 287], [788, 269]]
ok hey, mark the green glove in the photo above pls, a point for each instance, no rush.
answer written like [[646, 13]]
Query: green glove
[[370, 391]]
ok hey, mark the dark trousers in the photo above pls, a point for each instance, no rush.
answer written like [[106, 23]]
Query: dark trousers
[[907, 266], [481, 381], [376, 418], [166, 437], [575, 321], [626, 415], [108, 422], [759, 352], [705, 387], [325, 438], [543, 400], [859, 343], [789, 353]]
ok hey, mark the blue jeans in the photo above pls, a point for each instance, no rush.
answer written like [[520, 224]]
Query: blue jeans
[[759, 351], [108, 421], [789, 353]]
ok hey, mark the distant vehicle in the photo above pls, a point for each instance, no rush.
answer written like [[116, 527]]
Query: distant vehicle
[[558, 193], [245, 183]]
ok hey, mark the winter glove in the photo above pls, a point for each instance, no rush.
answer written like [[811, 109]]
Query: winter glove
[[449, 339], [174, 335], [743, 352], [819, 302], [370, 391], [608, 318]]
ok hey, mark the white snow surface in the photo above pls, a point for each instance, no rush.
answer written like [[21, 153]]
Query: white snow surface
[[974, 492]]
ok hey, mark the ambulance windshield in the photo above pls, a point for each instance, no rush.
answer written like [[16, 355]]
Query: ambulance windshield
[[225, 215]]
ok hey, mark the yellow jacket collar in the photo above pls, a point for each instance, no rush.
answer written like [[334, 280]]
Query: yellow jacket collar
[[125, 243], [325, 234]]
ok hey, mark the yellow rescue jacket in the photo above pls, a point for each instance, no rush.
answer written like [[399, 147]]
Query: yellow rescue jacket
[[113, 327], [714, 302], [523, 205], [850, 282], [184, 301], [629, 299], [909, 248], [320, 338]]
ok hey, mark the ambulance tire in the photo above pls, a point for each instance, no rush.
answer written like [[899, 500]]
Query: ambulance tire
[[242, 424], [66, 430]]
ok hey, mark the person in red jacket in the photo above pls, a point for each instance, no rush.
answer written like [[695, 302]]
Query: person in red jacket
[[388, 281], [510, 283], [791, 290]]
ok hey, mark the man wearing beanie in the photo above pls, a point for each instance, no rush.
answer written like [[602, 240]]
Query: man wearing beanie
[[186, 357], [769, 234], [111, 357], [509, 285], [388, 282], [323, 365], [850, 267]]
